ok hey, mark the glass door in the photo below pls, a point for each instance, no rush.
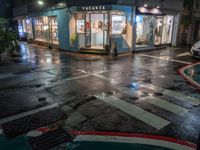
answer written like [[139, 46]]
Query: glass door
[[96, 30], [97, 38], [88, 30]]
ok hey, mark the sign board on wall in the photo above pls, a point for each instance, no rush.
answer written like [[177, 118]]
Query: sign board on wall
[[94, 8]]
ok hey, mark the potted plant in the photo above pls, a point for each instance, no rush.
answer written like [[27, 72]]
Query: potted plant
[[73, 40]]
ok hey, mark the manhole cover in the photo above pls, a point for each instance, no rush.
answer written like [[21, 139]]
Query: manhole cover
[[49, 140], [32, 122]]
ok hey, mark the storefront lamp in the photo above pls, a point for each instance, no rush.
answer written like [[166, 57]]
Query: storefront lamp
[[40, 2]]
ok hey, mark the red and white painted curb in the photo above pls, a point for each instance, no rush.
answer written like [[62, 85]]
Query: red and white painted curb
[[190, 80], [131, 138]]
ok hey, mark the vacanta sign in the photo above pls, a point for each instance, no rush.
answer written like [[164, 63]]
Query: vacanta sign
[[94, 8]]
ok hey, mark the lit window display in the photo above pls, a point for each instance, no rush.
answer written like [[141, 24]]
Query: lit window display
[[25, 28], [118, 24], [80, 25], [158, 30], [46, 29], [167, 29], [144, 30]]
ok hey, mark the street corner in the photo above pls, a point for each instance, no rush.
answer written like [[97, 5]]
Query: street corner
[[95, 140], [192, 74]]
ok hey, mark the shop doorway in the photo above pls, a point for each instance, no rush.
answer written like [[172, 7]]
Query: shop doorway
[[96, 30]]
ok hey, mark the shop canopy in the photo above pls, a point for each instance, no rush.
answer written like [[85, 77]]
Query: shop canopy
[[149, 11]]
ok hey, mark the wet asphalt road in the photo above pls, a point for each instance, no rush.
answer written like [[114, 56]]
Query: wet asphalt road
[[42, 77]]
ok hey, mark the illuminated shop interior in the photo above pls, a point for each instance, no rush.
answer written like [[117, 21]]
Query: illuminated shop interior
[[92, 28], [46, 29], [153, 30]]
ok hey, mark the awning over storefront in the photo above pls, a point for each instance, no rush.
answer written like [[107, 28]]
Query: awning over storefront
[[149, 11]]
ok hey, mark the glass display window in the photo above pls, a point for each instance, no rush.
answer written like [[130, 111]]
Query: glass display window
[[25, 28], [80, 26], [167, 29], [158, 30], [144, 30], [46, 29], [118, 24]]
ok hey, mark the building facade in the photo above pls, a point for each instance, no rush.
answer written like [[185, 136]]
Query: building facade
[[190, 22], [100, 25]]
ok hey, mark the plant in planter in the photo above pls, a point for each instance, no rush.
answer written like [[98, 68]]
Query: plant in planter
[[73, 40]]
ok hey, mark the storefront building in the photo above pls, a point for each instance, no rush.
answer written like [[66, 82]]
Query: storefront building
[[103, 25]]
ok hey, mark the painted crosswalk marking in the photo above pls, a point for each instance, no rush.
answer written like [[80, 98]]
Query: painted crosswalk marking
[[166, 105], [177, 95], [136, 112], [156, 101], [166, 58]]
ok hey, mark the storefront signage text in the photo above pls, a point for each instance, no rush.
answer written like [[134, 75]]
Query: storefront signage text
[[93, 8]]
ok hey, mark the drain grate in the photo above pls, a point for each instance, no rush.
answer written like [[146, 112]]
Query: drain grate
[[49, 140], [23, 125]]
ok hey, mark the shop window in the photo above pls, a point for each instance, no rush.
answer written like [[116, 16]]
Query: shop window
[[25, 28], [80, 26], [167, 29], [144, 30], [118, 24], [158, 30], [46, 29]]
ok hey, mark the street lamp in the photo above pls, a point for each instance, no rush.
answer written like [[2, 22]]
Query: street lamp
[[40, 2]]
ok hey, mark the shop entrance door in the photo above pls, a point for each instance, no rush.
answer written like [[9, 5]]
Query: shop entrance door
[[96, 30]]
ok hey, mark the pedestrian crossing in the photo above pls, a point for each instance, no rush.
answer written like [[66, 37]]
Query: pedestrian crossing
[[174, 94], [136, 112], [145, 116]]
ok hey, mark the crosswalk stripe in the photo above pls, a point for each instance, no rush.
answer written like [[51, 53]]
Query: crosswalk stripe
[[166, 58], [174, 94], [136, 112], [167, 105], [157, 102]]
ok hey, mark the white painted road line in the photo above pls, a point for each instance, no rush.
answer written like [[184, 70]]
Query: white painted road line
[[166, 105], [166, 59], [31, 112], [174, 94], [132, 140], [156, 101], [137, 112]]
